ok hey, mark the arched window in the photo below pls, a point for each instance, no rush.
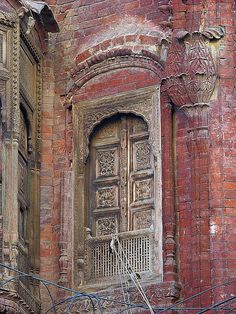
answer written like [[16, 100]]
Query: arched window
[[117, 190], [120, 195]]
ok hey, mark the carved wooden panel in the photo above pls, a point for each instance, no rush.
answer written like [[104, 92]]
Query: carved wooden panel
[[107, 163], [106, 225], [22, 176], [142, 155], [107, 197], [143, 189], [139, 125], [28, 70], [121, 176], [108, 131], [3, 47], [143, 219], [23, 136]]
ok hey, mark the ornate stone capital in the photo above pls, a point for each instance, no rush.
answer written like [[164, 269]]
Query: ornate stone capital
[[190, 72]]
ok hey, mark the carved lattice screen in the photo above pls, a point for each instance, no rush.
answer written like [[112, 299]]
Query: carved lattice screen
[[106, 264]]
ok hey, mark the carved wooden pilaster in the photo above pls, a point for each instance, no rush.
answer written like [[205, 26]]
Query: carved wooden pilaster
[[65, 234], [10, 202], [9, 26]]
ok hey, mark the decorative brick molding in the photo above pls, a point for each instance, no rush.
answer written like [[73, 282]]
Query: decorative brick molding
[[159, 295], [114, 59], [14, 304]]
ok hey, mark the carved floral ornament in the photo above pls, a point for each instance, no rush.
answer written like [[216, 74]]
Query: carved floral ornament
[[190, 72]]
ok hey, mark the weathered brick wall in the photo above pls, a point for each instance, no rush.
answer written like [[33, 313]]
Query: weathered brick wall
[[206, 239], [87, 28], [216, 260]]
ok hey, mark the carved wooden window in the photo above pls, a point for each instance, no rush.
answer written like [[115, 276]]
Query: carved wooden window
[[120, 193]]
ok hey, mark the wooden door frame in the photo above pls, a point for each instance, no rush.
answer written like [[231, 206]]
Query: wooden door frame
[[87, 115]]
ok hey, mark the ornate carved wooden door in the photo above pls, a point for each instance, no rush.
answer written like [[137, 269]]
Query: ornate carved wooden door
[[121, 176]]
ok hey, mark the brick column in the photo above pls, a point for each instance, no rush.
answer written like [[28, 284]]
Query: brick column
[[198, 146], [169, 222]]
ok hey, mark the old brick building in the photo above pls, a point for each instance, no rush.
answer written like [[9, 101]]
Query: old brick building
[[117, 117]]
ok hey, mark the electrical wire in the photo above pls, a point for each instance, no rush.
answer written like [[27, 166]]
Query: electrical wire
[[82, 295], [129, 270], [74, 299], [217, 304], [48, 282], [123, 282], [28, 275], [197, 294]]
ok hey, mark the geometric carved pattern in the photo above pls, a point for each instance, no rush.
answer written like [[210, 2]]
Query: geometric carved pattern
[[142, 155], [106, 226], [106, 197], [143, 190], [106, 163], [143, 219]]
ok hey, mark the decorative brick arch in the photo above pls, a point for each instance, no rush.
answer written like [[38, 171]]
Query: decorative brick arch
[[128, 56]]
